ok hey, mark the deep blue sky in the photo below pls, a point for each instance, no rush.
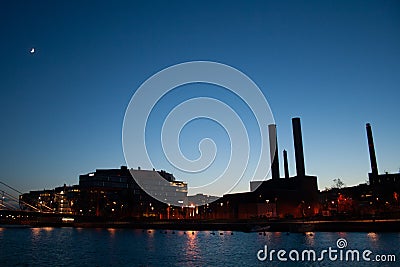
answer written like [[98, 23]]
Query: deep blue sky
[[336, 64]]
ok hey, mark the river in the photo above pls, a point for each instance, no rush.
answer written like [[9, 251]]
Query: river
[[133, 247]]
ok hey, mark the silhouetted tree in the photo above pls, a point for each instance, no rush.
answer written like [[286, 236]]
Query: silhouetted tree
[[337, 183]]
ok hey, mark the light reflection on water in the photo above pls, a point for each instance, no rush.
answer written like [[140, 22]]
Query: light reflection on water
[[373, 237], [191, 251], [35, 232], [133, 247], [310, 239]]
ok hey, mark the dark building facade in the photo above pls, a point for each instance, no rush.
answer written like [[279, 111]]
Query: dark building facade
[[385, 187], [111, 193], [63, 199], [114, 193], [377, 198]]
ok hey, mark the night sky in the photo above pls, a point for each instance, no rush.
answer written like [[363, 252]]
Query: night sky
[[335, 64]]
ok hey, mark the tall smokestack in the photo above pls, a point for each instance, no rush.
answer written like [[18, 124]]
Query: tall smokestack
[[273, 149], [298, 147], [372, 156], [285, 164]]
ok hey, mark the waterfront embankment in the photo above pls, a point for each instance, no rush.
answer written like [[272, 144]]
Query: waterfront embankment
[[26, 219]]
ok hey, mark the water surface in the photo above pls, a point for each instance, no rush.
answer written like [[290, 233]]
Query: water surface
[[133, 247]]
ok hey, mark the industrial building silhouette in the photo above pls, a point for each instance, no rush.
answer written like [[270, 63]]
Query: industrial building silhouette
[[295, 196], [115, 193]]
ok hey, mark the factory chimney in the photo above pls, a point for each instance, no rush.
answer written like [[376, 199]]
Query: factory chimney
[[298, 147], [273, 148], [285, 164], [372, 156]]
